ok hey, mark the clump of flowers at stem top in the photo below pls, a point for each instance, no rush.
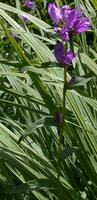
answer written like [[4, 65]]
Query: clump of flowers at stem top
[[68, 21], [61, 56]]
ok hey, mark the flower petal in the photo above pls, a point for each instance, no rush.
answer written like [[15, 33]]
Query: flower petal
[[69, 57], [14, 36], [30, 4], [65, 11], [64, 34], [58, 118], [59, 53], [82, 25], [72, 16], [55, 13], [72, 81], [24, 18]]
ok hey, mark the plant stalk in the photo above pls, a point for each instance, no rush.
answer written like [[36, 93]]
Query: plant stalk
[[61, 130]]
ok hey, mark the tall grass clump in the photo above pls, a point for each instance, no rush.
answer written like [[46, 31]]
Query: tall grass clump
[[48, 100]]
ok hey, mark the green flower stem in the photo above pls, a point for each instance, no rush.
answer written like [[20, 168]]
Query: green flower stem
[[61, 130]]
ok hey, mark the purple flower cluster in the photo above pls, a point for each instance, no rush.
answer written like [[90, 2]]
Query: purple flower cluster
[[61, 56], [30, 4], [68, 21]]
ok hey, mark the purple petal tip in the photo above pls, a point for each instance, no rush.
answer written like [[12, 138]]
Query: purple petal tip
[[58, 118], [30, 4], [14, 36]]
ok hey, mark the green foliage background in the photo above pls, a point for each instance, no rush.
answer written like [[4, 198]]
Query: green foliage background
[[29, 100]]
